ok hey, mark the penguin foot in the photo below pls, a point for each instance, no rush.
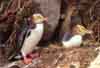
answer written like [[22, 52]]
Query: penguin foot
[[33, 55], [27, 60], [30, 57]]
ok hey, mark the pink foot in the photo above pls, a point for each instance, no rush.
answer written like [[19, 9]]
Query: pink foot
[[27, 60], [33, 55]]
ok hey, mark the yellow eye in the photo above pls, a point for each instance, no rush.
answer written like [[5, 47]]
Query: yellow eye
[[81, 28], [39, 17]]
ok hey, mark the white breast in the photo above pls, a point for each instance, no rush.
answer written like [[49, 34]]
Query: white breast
[[33, 39], [73, 42]]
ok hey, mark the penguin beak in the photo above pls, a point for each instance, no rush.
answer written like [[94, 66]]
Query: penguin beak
[[89, 32], [83, 30], [46, 19]]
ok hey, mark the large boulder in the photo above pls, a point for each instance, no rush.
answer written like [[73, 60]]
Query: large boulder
[[51, 9]]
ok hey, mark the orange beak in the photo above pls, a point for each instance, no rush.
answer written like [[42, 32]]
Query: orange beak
[[46, 19]]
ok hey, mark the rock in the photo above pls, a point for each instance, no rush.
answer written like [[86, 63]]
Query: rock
[[51, 9], [15, 66]]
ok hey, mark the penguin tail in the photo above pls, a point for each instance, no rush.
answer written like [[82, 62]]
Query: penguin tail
[[15, 57], [18, 56]]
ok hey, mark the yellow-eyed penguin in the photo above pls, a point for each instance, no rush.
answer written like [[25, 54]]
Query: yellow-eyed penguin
[[33, 38], [78, 31]]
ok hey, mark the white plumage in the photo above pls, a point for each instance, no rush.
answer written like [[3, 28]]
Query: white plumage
[[78, 32], [33, 39], [34, 36], [72, 42]]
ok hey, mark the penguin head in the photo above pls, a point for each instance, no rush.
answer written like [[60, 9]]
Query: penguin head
[[38, 18], [81, 30]]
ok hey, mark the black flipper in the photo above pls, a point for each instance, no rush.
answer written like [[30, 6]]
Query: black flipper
[[20, 37]]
